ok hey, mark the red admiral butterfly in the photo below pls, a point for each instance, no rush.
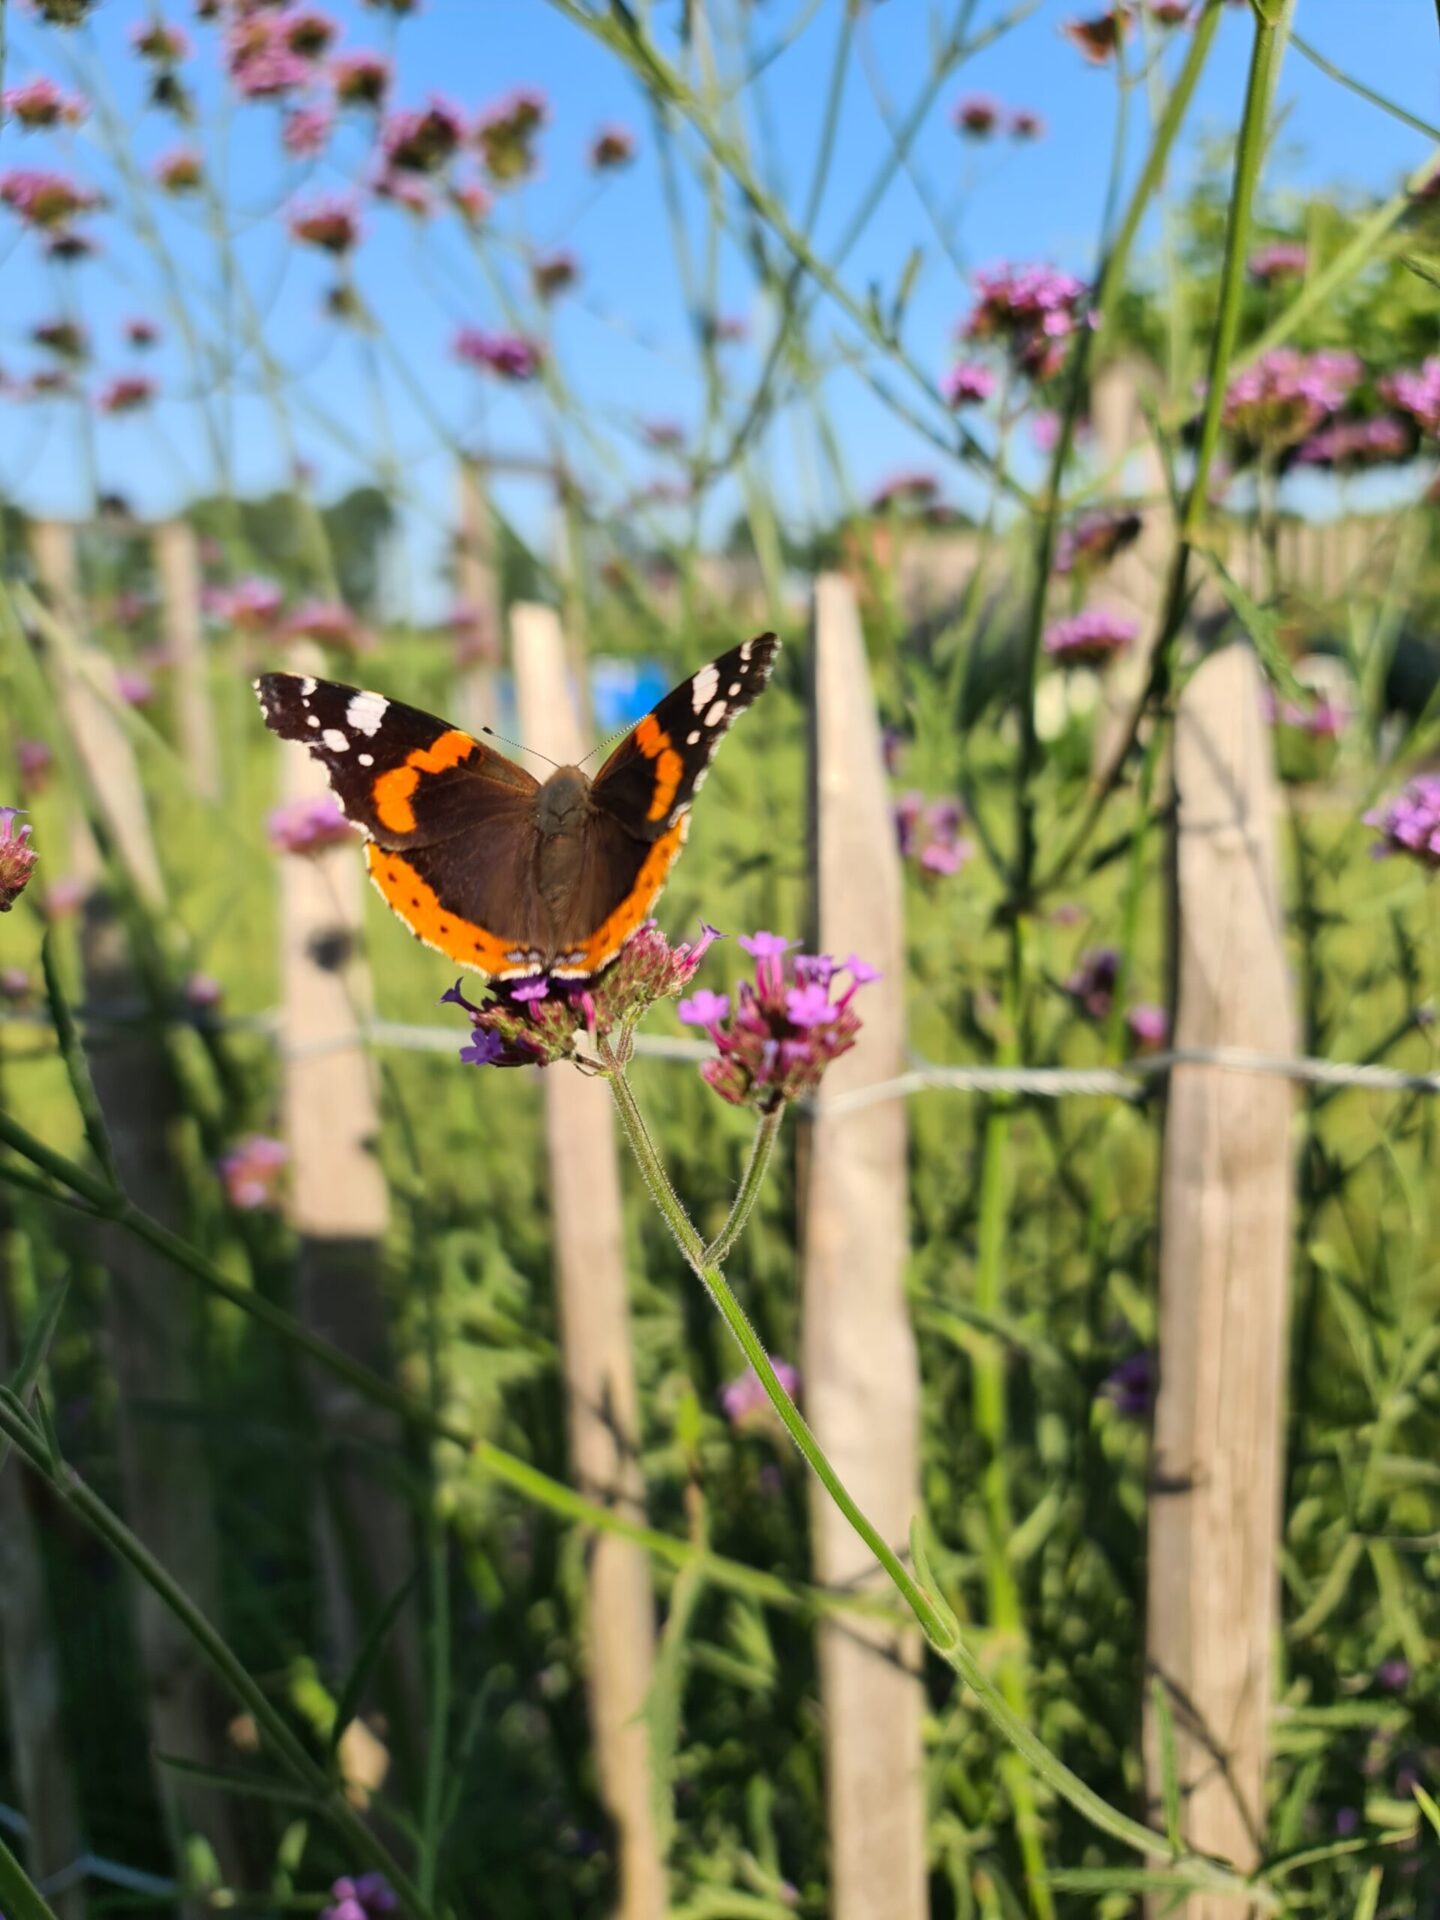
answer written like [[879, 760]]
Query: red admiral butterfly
[[484, 862]]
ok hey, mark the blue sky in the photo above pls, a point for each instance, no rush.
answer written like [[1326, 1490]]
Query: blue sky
[[621, 339]]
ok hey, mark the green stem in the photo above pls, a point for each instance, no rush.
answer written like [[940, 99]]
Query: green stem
[[288, 1749], [751, 1182]]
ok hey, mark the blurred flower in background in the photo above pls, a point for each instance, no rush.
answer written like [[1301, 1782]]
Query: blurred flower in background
[[745, 1403], [505, 135], [613, 147], [1410, 823], [40, 104], [505, 354], [17, 857], [1099, 38], [309, 826], [250, 1172], [1092, 638]]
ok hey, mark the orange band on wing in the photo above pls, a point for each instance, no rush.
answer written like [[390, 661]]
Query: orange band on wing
[[418, 905], [603, 945], [654, 743], [392, 792]]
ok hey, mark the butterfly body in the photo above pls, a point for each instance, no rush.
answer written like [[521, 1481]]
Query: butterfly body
[[501, 872]]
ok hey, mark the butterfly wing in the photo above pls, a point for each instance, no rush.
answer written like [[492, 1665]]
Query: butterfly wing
[[450, 823], [620, 879], [651, 778]]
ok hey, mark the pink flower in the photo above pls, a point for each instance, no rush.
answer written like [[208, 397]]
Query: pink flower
[[967, 385], [309, 826], [260, 59], [306, 131], [1278, 260], [1346, 444], [422, 139], [180, 171], [1416, 391], [1026, 125], [44, 199], [406, 190], [471, 201], [325, 621], [504, 354], [63, 897], [1090, 639], [505, 135], [250, 603], [978, 115], [126, 393], [1095, 538], [140, 332], [250, 1172], [1149, 1027], [332, 224], [611, 148], [34, 762], [134, 688], [1100, 37], [781, 1033], [203, 992], [17, 858], [360, 79], [745, 1403], [14, 984], [1410, 823], [39, 103], [1032, 312], [1286, 394]]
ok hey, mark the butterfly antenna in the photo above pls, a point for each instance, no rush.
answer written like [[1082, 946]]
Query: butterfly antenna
[[601, 745], [518, 748]]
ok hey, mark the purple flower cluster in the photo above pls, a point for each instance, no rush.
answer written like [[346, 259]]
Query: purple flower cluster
[[1346, 444], [1410, 823], [306, 131], [929, 834], [1130, 1388], [1417, 392], [34, 762], [776, 1035], [17, 857], [126, 393], [39, 103], [967, 385], [1032, 312], [264, 56], [251, 603], [332, 224], [1092, 638], [745, 1403], [367, 1897], [250, 1172], [1095, 538], [309, 826], [978, 116], [360, 79], [422, 140], [1287, 394], [1278, 260], [1092, 984], [45, 199], [326, 621], [507, 355], [538, 1021], [1324, 720]]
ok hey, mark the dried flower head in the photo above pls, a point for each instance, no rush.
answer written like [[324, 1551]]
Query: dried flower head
[[552, 273], [332, 224], [422, 139], [977, 116], [1099, 37], [17, 857], [612, 147], [180, 171], [360, 79], [126, 393], [506, 132], [157, 40]]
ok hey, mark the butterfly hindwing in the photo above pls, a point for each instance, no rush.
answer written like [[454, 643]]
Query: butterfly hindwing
[[652, 777], [403, 775]]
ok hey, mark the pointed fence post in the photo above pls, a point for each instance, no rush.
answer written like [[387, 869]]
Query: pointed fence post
[[339, 1207], [858, 1360], [600, 1398], [477, 580], [177, 566], [153, 1327], [1224, 1270]]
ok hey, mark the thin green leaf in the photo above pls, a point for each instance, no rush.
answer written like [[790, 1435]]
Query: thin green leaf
[[1427, 1806], [77, 1067], [233, 1780], [37, 1345], [1369, 1895], [1169, 1765], [47, 1427], [367, 1657], [19, 1898], [1259, 625]]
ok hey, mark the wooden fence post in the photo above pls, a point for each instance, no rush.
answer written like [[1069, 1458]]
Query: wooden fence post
[[177, 566], [477, 581], [153, 1325], [600, 1398], [858, 1362], [1224, 1267], [339, 1207]]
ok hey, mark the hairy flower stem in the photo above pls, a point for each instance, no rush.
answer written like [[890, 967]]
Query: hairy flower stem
[[31, 1442], [751, 1182]]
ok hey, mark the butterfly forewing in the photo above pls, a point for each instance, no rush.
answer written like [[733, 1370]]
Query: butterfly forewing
[[654, 774]]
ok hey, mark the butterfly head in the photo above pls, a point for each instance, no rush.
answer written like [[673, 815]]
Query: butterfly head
[[563, 801]]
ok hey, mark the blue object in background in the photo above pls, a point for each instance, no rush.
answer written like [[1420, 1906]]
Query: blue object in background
[[623, 691]]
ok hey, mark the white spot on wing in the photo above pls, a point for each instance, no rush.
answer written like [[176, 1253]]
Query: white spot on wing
[[732, 689], [693, 739], [702, 688], [746, 648], [365, 712], [366, 759], [335, 740], [716, 714], [312, 719], [307, 687]]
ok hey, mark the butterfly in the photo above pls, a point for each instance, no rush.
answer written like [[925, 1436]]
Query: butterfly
[[502, 872]]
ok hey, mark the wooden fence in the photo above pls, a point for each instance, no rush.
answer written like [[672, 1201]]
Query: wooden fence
[[1223, 1262]]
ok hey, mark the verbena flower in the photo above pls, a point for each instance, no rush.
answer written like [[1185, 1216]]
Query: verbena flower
[[332, 224], [1286, 395], [1094, 539], [309, 32], [611, 148], [978, 115], [14, 985], [1410, 823], [34, 762], [929, 834], [141, 333], [309, 825], [505, 135], [251, 603], [1092, 638], [538, 1022], [325, 621], [1149, 1026], [775, 1037], [1031, 312], [368, 1896], [250, 1172], [422, 139], [745, 1403], [203, 992], [408, 190], [360, 79], [1323, 719], [157, 40], [1099, 37], [1278, 260], [1347, 444], [1416, 391], [1092, 984], [17, 857], [553, 273], [1025, 124], [1131, 1386], [65, 244], [260, 60], [126, 393], [470, 200], [306, 131], [64, 337], [967, 385], [1170, 13], [136, 689], [505, 354], [43, 198], [180, 171], [905, 491], [39, 103]]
